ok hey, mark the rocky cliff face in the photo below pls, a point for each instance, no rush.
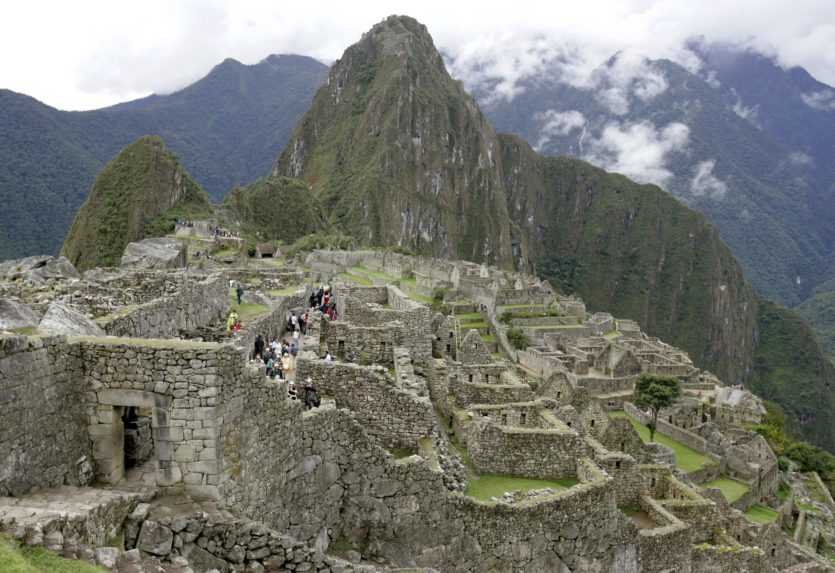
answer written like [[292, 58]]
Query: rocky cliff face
[[399, 154], [635, 251], [133, 198]]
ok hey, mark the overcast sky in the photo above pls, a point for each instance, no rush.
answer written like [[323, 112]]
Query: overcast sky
[[89, 53]]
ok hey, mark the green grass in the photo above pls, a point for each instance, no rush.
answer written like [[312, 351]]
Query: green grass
[[474, 326], [783, 492], [17, 559], [807, 507], [400, 453], [687, 459], [730, 488], [419, 297], [249, 311], [357, 280], [470, 317], [26, 330], [375, 274], [761, 514], [286, 291], [486, 486]]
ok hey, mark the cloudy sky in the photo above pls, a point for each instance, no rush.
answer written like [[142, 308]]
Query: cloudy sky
[[90, 53]]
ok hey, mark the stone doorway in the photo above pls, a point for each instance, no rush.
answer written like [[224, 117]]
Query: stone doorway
[[130, 439]]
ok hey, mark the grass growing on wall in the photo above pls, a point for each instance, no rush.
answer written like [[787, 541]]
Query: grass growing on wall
[[761, 514], [730, 488], [17, 559], [484, 487], [687, 459]]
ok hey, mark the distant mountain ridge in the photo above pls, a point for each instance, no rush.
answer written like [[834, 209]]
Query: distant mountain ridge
[[741, 144], [225, 129]]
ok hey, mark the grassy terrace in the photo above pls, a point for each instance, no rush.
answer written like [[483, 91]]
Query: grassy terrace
[[17, 559], [355, 279], [486, 486], [730, 488], [286, 291], [687, 459], [760, 514]]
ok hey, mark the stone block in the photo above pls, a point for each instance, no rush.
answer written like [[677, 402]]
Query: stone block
[[155, 538]]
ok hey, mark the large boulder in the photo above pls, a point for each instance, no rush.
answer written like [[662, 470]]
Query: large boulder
[[15, 315], [156, 253], [38, 269], [61, 319]]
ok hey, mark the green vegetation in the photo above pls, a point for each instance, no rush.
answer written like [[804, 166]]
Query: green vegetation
[[517, 338], [286, 291], [247, 311], [791, 370], [761, 514], [508, 315], [137, 195], [275, 209], [226, 128], [655, 393], [730, 488], [355, 279], [15, 558], [486, 486], [808, 457], [400, 453], [687, 459], [321, 241]]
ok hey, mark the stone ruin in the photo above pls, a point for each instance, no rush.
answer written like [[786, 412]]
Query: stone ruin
[[159, 430]]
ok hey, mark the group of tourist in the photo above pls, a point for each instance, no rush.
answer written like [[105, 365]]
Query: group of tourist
[[324, 301], [278, 358]]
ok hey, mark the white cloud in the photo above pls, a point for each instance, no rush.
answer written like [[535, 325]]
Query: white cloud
[[823, 100], [83, 54], [613, 99], [712, 80], [639, 150], [749, 114], [801, 159], [555, 123], [705, 183]]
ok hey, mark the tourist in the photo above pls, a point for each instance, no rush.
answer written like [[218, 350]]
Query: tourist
[[240, 292], [232, 321], [294, 322], [303, 323], [328, 357], [311, 398], [259, 347], [287, 365]]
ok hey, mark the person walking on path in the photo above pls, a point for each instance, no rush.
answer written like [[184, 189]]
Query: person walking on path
[[239, 290]]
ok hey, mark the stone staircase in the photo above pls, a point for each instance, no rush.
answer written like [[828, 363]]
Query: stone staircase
[[68, 515]]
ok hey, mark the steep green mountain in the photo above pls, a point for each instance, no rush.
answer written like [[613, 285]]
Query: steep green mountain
[[635, 251], [398, 154], [225, 128], [756, 158], [275, 208], [136, 195], [791, 370], [819, 312]]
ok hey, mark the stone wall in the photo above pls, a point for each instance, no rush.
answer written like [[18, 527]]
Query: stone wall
[[467, 394], [43, 423], [417, 325], [532, 452], [362, 344], [197, 303], [721, 558], [666, 546], [180, 382], [393, 416], [686, 437], [317, 477]]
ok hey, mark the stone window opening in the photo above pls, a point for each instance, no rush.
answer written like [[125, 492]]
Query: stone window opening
[[652, 482], [523, 419], [617, 465], [471, 378], [340, 348], [448, 348], [591, 423], [568, 424]]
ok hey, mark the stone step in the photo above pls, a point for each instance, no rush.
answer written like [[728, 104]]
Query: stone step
[[87, 516]]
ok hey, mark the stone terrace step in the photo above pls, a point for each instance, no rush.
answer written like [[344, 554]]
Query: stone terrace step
[[88, 515]]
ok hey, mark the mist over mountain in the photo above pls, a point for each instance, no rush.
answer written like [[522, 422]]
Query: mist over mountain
[[225, 129], [742, 140]]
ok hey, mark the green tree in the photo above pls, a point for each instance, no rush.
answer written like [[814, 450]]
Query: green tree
[[655, 393]]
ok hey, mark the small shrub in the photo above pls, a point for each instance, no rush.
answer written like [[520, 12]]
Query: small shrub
[[506, 317], [517, 338]]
